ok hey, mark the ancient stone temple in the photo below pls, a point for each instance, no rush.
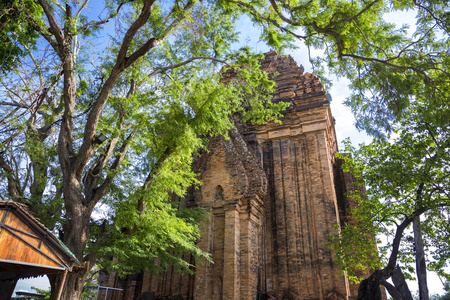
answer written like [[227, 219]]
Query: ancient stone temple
[[274, 192]]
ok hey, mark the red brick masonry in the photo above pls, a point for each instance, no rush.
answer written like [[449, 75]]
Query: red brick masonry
[[274, 192]]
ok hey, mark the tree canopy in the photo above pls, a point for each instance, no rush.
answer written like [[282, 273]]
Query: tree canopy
[[407, 178], [146, 75], [404, 104]]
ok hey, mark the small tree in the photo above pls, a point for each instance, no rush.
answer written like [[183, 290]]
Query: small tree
[[407, 179], [445, 296], [46, 293]]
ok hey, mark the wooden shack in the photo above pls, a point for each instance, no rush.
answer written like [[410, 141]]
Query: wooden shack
[[28, 248]]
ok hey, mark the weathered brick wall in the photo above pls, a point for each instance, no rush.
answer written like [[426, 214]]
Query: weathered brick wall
[[301, 205], [233, 186], [274, 193]]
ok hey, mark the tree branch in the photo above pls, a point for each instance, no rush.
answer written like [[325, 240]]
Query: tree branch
[[162, 70], [83, 6], [94, 193], [122, 62], [47, 37], [100, 192], [352, 18], [390, 267], [392, 290], [87, 148], [13, 185], [282, 17], [137, 24], [255, 13], [94, 23], [54, 27]]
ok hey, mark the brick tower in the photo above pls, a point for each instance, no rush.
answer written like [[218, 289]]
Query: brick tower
[[274, 192]]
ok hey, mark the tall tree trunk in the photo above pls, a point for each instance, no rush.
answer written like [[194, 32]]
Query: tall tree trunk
[[400, 284], [395, 294], [421, 269], [76, 236], [72, 285], [400, 290], [369, 289]]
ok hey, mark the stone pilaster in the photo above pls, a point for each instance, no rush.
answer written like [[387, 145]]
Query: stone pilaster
[[203, 289], [231, 253], [250, 254]]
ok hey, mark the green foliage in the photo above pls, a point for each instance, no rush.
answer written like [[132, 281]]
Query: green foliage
[[356, 250], [383, 92], [91, 281], [42, 292], [405, 176], [17, 35], [388, 67]]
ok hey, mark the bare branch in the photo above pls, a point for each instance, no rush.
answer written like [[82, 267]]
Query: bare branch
[[162, 70], [83, 6], [255, 13], [36, 64], [95, 23], [28, 108]]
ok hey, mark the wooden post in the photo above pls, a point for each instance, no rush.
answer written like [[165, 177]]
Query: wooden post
[[58, 297]]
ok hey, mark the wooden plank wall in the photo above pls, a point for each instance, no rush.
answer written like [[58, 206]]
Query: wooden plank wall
[[19, 242]]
